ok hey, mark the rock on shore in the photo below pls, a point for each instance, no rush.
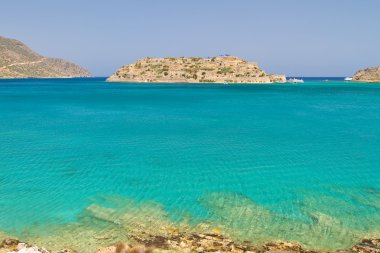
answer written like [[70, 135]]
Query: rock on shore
[[204, 243], [197, 243], [370, 75], [224, 69], [19, 61]]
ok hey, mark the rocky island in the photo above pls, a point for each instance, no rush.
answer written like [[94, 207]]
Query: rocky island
[[370, 75], [223, 69], [18, 61]]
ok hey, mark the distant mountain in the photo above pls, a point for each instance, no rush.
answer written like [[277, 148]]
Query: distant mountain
[[223, 69], [370, 75], [18, 61]]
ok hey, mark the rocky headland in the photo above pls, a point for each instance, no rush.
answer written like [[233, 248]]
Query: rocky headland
[[19, 61], [370, 75], [223, 69]]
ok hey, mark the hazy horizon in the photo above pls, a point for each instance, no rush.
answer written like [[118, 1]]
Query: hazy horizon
[[313, 38]]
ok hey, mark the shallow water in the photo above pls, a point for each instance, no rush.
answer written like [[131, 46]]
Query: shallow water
[[82, 159]]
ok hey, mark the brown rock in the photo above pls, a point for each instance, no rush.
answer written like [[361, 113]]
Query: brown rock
[[139, 249], [122, 247], [367, 246], [373, 242], [67, 250], [283, 247], [10, 243], [109, 249], [235, 249], [172, 231], [370, 75], [217, 231], [155, 241]]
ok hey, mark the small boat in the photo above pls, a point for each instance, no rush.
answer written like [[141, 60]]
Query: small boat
[[295, 80], [348, 79]]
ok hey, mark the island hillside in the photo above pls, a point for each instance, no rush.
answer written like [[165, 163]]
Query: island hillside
[[370, 75], [223, 69], [18, 61]]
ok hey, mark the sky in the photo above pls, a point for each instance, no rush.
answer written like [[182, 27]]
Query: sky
[[292, 37]]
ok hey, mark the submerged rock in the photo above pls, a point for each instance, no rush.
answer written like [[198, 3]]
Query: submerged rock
[[194, 242], [125, 248], [109, 249], [67, 251]]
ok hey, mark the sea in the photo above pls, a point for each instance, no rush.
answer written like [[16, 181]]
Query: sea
[[85, 163]]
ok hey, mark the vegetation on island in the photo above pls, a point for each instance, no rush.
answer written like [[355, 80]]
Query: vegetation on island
[[223, 69]]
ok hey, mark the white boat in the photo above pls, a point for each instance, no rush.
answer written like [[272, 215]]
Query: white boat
[[295, 80], [348, 79]]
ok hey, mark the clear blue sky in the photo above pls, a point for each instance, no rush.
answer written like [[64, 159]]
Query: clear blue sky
[[294, 37]]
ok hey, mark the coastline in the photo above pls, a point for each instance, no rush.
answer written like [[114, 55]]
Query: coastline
[[187, 242], [147, 227]]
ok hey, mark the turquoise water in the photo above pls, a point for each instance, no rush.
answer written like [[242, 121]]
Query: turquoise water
[[260, 162]]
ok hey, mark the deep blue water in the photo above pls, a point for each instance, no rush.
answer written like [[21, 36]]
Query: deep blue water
[[261, 162]]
